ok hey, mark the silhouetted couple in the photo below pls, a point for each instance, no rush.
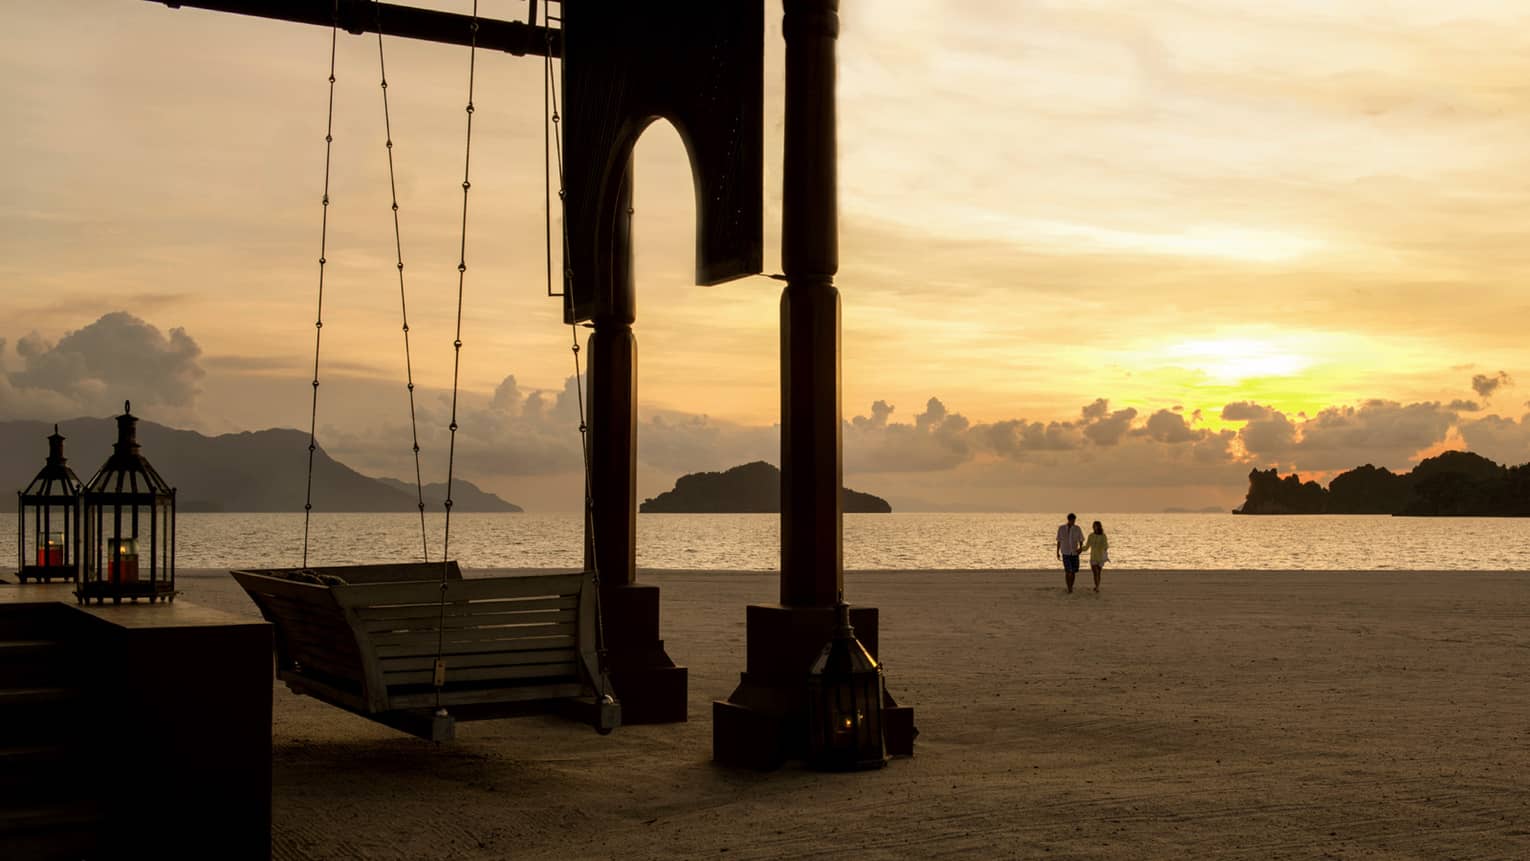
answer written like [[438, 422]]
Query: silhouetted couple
[[1071, 543]]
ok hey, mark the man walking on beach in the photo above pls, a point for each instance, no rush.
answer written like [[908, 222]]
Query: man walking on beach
[[1070, 538]]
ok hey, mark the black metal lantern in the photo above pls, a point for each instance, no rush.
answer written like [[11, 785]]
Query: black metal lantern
[[129, 520], [48, 520], [845, 704]]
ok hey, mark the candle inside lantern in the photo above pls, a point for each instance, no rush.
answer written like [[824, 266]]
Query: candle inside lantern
[[848, 724], [123, 566], [50, 550]]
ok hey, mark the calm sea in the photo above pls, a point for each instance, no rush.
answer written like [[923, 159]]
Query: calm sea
[[872, 541]]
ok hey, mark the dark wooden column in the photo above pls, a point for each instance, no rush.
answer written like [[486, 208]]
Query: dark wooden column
[[651, 688], [612, 543], [812, 557], [763, 722]]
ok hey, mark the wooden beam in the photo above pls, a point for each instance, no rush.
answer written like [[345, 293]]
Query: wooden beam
[[404, 22]]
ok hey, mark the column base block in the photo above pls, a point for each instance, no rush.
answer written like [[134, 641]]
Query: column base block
[[652, 694], [646, 681], [763, 723]]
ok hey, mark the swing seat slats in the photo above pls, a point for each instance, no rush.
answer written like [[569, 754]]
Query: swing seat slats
[[367, 638]]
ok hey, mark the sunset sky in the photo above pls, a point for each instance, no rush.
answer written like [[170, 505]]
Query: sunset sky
[[1103, 255]]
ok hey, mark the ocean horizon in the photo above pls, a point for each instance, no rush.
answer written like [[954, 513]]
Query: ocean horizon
[[899, 541]]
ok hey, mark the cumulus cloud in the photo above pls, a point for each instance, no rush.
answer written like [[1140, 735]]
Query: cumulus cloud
[[512, 433], [1132, 471], [1013, 438], [1170, 427], [1099, 409], [92, 370], [1244, 411], [1376, 430], [1102, 446], [517, 432], [1214, 448], [682, 442], [1504, 440], [1268, 434], [1464, 406], [1486, 384], [1104, 427], [937, 439], [1383, 432]]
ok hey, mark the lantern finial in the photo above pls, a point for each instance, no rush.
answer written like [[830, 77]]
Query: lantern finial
[[56, 448], [127, 432], [127, 406]]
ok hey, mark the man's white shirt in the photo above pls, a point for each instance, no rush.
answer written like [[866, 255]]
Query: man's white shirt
[[1070, 537]]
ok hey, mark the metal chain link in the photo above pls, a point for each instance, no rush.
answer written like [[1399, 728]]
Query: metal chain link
[[550, 101], [467, 158], [451, 454], [403, 304], [547, 135], [318, 324]]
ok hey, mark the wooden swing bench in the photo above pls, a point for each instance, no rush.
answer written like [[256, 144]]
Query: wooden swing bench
[[366, 638]]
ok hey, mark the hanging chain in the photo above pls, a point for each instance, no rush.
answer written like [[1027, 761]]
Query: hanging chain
[[550, 100], [403, 304], [318, 323], [547, 136], [467, 159], [451, 452]]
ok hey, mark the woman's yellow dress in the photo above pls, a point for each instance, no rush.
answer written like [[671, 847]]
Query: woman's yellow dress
[[1098, 546]]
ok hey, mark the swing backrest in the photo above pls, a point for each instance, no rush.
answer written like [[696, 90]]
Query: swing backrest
[[494, 634], [373, 645]]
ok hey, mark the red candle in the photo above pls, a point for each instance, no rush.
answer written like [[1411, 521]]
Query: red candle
[[124, 569], [50, 549], [123, 566]]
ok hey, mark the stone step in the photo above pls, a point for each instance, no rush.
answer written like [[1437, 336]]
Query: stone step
[[40, 773], [16, 697], [58, 830], [37, 663], [39, 716]]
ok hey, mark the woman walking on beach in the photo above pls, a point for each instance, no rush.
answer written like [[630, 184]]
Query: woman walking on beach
[[1099, 552]]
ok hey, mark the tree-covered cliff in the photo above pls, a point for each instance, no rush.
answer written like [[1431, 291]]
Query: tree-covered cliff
[[1453, 484]]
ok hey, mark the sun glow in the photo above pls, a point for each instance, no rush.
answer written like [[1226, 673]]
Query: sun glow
[[1207, 241], [1228, 361]]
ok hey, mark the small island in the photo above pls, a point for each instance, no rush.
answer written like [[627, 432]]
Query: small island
[[1453, 484], [753, 488]]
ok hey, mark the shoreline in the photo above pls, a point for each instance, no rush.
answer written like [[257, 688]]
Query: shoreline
[[1175, 714], [202, 573]]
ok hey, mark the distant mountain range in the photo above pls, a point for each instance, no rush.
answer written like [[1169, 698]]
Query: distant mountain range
[[753, 488], [255, 471], [1453, 484], [466, 496]]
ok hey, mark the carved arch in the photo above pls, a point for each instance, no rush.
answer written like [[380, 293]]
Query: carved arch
[[706, 78]]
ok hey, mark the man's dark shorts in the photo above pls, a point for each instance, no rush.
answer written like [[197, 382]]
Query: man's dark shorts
[[1070, 564]]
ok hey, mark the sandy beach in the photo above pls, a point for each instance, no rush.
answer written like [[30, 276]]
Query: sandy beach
[[1189, 715]]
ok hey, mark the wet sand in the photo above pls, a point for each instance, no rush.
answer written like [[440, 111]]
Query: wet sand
[[1175, 715]]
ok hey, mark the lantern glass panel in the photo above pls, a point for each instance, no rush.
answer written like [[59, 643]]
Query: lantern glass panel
[[50, 548], [123, 564]]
